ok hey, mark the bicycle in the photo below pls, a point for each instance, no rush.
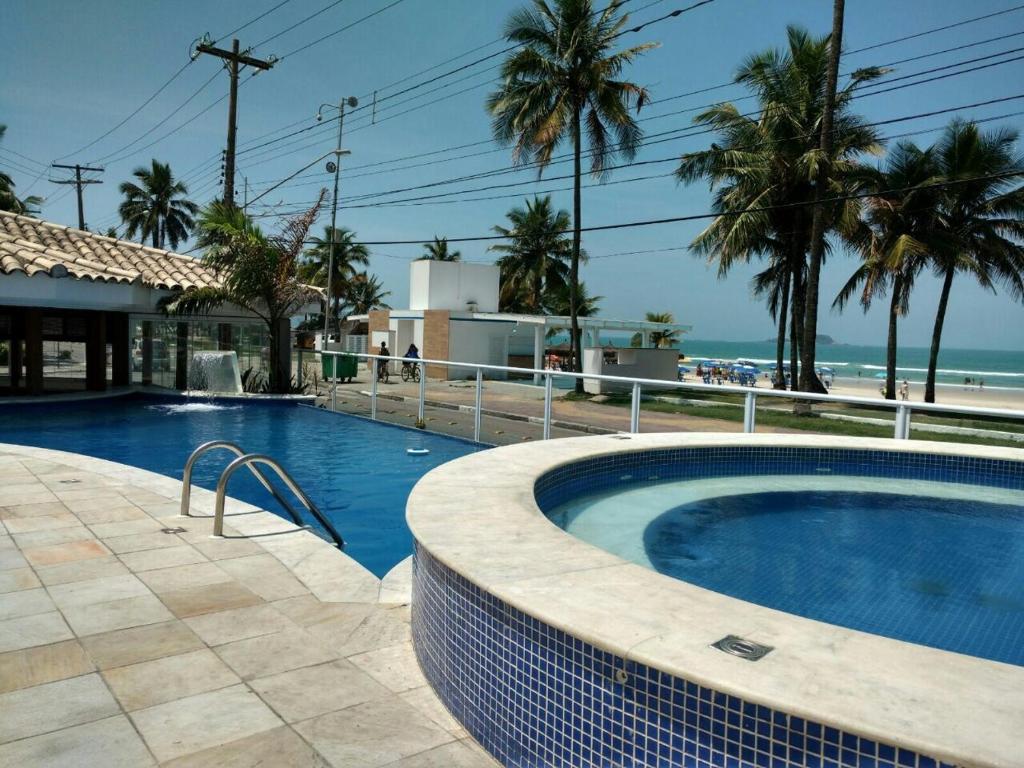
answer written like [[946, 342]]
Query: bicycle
[[382, 371], [410, 371]]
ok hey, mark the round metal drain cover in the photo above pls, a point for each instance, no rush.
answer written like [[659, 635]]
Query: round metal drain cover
[[745, 649]]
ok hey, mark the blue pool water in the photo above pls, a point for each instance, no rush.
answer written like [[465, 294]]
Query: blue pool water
[[357, 471], [940, 564]]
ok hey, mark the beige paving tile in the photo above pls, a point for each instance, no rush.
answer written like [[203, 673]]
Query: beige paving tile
[[372, 734], [239, 624], [65, 553], [138, 542], [41, 509], [30, 631], [184, 577], [458, 754], [381, 626], [265, 576], [29, 493], [125, 527], [102, 590], [42, 664], [307, 610], [53, 536], [270, 654], [130, 646], [202, 721], [209, 598], [11, 558], [310, 691], [395, 667], [117, 614], [27, 602], [116, 514], [40, 523], [17, 579], [82, 499], [52, 706], [426, 701], [223, 549], [107, 743], [81, 570], [168, 557], [278, 748], [173, 677]]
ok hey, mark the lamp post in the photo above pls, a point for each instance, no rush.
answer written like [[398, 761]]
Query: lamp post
[[352, 102]]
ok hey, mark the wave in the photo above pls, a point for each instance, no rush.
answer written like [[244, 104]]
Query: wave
[[192, 408], [947, 371]]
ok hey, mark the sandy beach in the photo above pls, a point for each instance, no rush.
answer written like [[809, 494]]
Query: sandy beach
[[949, 394]]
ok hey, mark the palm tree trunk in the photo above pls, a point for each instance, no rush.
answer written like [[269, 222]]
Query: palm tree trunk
[[156, 236], [890, 348], [574, 269], [810, 382], [795, 326], [940, 318], [780, 343]]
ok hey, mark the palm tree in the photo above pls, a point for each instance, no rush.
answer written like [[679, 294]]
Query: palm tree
[[8, 200], [561, 80], [366, 292], [438, 251], [769, 160], [536, 256], [258, 273], [894, 238], [666, 337], [156, 207], [982, 218], [347, 254]]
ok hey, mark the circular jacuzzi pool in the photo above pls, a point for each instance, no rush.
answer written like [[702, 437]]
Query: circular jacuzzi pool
[[922, 548], [708, 600]]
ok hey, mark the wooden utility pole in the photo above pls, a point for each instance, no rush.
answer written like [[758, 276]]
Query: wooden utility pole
[[79, 182], [809, 381], [235, 60]]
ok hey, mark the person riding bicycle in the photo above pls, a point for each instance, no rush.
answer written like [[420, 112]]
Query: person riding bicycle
[[382, 365], [410, 369]]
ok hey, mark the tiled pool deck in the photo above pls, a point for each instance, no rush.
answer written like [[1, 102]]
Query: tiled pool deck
[[129, 637]]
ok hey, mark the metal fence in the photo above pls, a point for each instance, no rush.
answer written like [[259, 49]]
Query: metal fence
[[903, 408]]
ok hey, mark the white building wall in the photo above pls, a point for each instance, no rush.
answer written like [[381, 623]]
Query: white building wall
[[452, 285], [635, 363], [475, 341]]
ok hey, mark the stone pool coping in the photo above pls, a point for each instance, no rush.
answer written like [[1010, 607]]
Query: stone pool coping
[[478, 516]]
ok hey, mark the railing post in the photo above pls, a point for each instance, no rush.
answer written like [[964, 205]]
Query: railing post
[[749, 412], [334, 382], [547, 406], [421, 413], [373, 388], [298, 373], [634, 409], [478, 405], [899, 433]]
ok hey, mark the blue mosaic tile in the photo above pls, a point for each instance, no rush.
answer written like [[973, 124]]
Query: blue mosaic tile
[[536, 696]]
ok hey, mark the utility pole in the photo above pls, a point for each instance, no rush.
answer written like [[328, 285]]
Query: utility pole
[[235, 60], [809, 381], [79, 182], [352, 102]]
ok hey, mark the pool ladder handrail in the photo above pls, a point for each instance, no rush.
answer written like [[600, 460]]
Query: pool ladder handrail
[[257, 458], [186, 491]]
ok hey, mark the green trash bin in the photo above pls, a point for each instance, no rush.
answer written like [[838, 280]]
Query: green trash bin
[[347, 366]]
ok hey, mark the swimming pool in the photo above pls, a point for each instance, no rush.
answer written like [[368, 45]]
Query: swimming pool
[[356, 471], [910, 555]]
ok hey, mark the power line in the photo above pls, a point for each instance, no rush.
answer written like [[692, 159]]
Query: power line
[[299, 23], [932, 31]]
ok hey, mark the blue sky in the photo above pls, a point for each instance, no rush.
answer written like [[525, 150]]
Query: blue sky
[[74, 70]]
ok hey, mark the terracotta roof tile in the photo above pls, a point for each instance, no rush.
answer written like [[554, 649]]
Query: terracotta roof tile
[[36, 247]]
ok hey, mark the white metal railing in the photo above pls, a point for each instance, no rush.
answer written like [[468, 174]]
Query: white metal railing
[[903, 408]]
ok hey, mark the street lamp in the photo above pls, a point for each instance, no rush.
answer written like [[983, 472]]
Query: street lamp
[[352, 102]]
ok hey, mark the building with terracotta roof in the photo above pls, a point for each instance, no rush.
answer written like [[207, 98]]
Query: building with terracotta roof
[[81, 311]]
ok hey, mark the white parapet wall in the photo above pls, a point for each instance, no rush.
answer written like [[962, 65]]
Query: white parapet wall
[[636, 363], [457, 286]]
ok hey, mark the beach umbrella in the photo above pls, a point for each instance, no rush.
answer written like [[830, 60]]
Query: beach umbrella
[[880, 375], [684, 369], [826, 369]]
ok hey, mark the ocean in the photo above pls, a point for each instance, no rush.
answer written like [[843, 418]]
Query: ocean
[[999, 369]]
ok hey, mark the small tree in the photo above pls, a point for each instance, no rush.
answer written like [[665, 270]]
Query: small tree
[[258, 272], [438, 251]]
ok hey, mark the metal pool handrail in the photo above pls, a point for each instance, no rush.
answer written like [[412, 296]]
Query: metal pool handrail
[[903, 408], [257, 458], [186, 491]]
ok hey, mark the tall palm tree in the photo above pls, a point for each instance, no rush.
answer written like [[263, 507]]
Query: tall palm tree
[[982, 218], [666, 337], [438, 251], [11, 202], [366, 292], [769, 159], [894, 238], [258, 272], [347, 254], [156, 208], [562, 80], [536, 257]]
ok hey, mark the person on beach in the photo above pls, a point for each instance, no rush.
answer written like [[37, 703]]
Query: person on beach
[[904, 390], [981, 384]]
